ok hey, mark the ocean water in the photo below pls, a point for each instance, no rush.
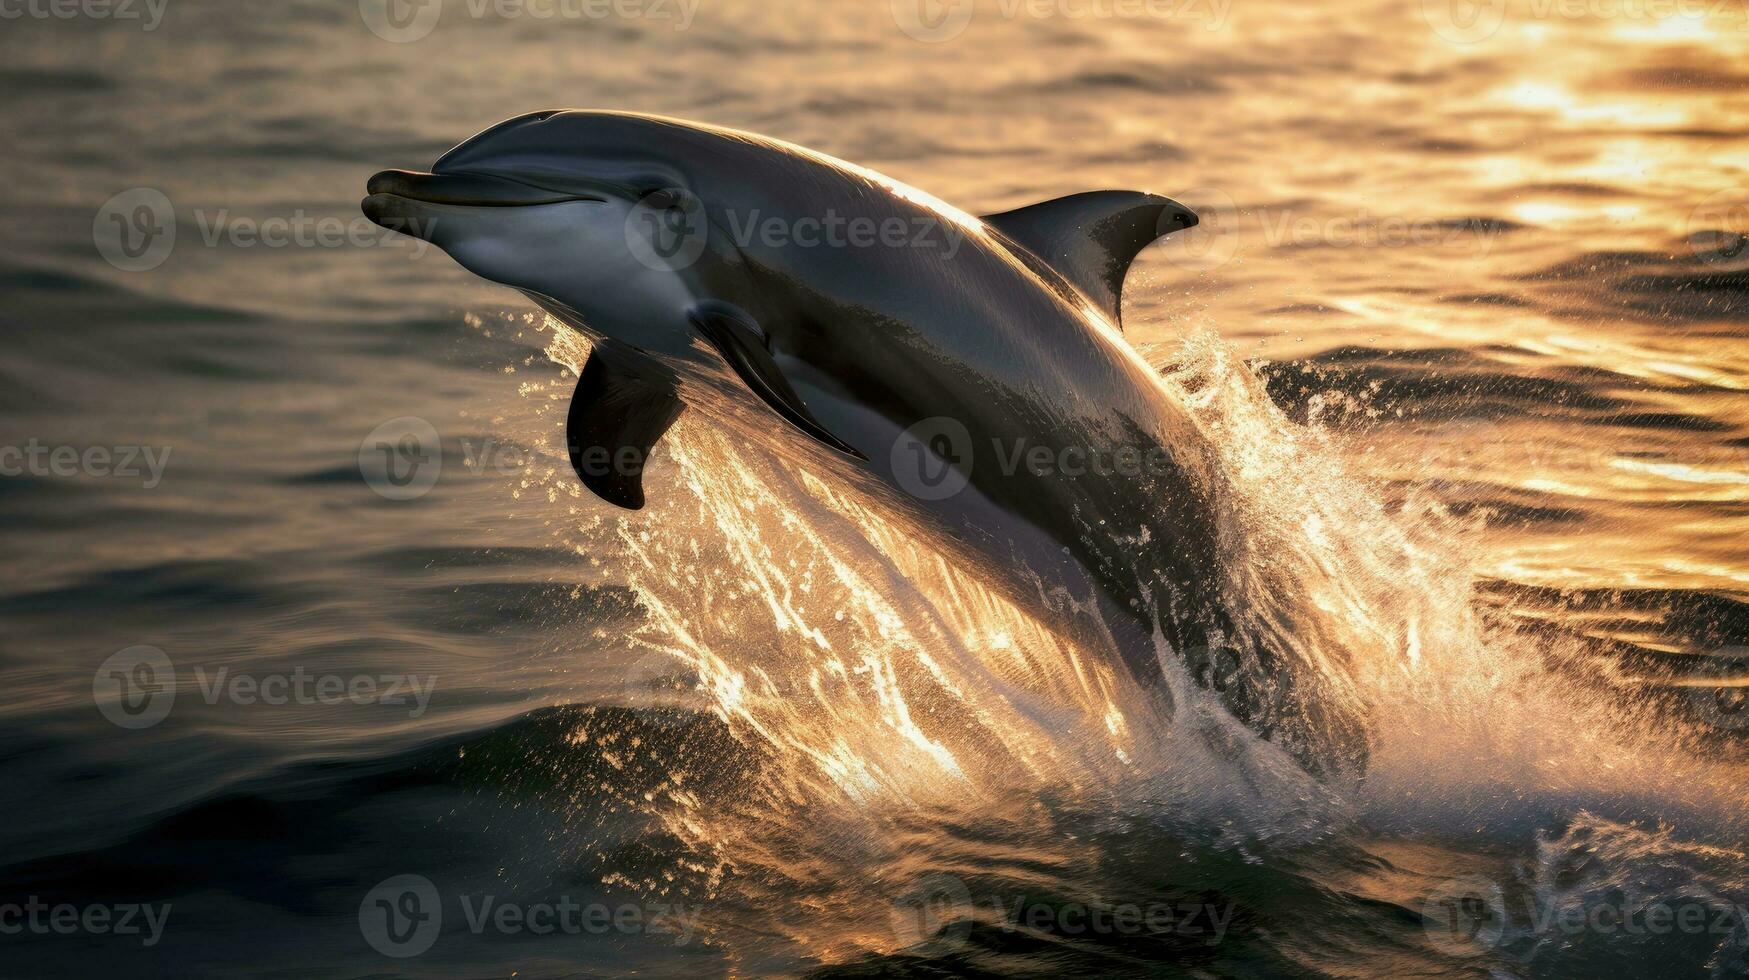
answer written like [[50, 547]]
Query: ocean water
[[1465, 325]]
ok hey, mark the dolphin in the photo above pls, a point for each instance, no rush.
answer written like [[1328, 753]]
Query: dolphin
[[971, 370]]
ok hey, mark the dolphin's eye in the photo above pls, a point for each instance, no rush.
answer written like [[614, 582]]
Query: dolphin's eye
[[667, 198]]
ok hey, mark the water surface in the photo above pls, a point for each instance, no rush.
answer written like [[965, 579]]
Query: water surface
[[1466, 320]]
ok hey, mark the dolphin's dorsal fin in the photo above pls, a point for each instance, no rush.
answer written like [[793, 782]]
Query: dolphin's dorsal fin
[[1091, 238], [618, 414]]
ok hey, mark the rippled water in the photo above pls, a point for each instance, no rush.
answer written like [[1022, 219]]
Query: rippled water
[[1464, 322]]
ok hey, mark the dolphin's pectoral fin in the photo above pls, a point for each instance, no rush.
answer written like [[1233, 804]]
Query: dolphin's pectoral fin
[[737, 336], [1091, 238], [617, 417]]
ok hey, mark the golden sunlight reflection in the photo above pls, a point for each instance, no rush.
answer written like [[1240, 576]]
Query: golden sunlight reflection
[[1451, 376], [881, 677], [886, 677]]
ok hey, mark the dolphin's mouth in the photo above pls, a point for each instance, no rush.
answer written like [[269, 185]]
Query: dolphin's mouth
[[469, 189], [394, 194]]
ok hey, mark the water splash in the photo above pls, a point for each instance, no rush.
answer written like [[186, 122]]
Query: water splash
[[896, 716]]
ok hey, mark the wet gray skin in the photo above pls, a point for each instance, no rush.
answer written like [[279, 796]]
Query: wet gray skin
[[645, 234]]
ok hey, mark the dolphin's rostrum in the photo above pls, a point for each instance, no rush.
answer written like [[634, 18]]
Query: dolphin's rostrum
[[649, 236]]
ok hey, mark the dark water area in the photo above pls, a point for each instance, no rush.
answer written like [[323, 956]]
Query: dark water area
[[1467, 317]]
